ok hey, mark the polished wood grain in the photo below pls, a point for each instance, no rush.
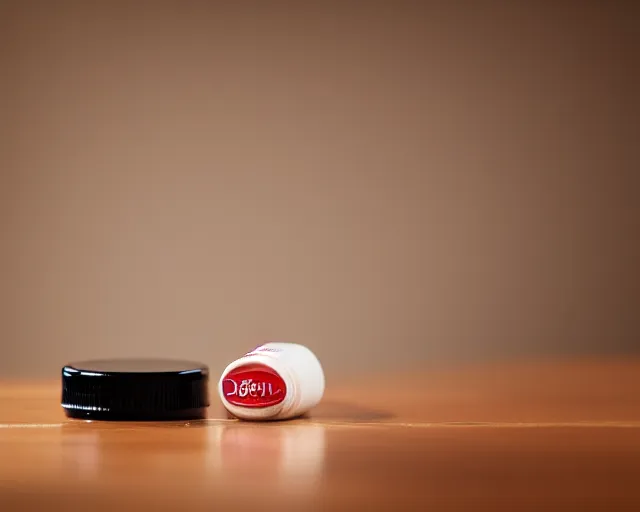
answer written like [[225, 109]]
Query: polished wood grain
[[512, 436]]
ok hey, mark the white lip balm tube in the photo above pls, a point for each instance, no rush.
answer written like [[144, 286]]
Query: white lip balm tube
[[275, 381]]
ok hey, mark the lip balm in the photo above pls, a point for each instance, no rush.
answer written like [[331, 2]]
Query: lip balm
[[275, 381]]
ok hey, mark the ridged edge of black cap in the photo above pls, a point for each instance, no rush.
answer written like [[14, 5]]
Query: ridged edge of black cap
[[116, 390]]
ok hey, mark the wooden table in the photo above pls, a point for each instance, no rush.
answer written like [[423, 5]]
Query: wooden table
[[517, 436]]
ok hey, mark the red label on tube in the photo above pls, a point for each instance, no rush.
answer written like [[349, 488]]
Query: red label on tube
[[253, 385]]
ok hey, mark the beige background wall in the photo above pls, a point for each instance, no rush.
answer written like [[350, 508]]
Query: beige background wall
[[386, 180]]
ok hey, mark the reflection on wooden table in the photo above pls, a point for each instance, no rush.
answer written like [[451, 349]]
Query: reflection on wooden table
[[512, 437]]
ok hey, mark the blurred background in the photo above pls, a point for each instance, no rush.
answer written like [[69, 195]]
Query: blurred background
[[390, 183]]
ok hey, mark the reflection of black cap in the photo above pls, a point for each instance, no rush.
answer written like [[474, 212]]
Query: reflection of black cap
[[135, 390]]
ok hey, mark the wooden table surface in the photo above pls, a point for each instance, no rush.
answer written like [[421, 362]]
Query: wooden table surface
[[516, 436]]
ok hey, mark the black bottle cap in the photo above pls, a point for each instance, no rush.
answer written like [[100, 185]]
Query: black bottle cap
[[135, 390]]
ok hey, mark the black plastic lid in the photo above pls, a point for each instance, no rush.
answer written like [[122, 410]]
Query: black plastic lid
[[135, 389]]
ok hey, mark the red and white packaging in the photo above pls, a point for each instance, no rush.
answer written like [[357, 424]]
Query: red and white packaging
[[275, 381]]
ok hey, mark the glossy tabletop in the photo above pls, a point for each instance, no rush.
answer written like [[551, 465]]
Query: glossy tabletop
[[512, 436]]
